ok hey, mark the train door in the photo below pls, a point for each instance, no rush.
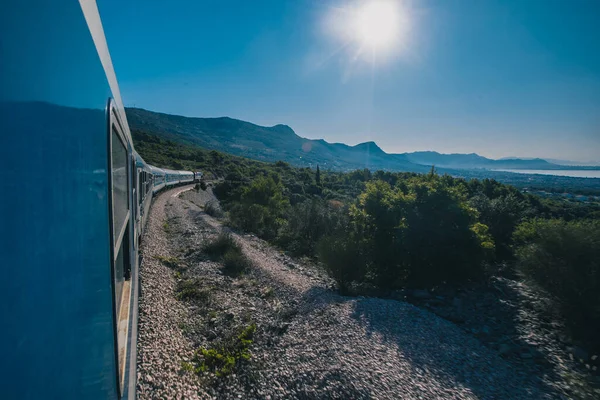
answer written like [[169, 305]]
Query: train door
[[121, 231]]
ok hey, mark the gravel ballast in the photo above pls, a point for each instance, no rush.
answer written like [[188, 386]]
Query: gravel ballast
[[310, 342]]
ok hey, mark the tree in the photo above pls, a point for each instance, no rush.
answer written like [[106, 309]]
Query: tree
[[502, 215], [318, 176], [307, 222], [261, 207], [216, 157], [432, 172], [421, 234]]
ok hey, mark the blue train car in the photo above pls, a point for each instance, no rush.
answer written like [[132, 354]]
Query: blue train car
[[159, 177], [186, 177], [172, 177], [68, 241]]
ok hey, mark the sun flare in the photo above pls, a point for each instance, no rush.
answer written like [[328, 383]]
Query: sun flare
[[377, 24], [371, 29]]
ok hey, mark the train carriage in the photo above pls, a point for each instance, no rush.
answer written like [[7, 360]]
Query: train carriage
[[142, 196], [159, 179], [186, 177], [71, 239], [172, 177]]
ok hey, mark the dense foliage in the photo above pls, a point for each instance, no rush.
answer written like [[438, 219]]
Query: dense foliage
[[399, 226], [564, 259], [389, 229]]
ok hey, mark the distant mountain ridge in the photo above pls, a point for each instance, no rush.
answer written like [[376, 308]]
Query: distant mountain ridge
[[274, 143], [476, 161], [280, 142]]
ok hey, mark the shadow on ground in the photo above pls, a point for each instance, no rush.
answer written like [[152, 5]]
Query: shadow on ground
[[438, 346]]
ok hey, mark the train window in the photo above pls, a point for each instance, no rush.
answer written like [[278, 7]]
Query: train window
[[119, 186], [141, 185], [123, 182]]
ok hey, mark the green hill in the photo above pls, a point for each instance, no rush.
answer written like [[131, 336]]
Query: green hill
[[274, 143]]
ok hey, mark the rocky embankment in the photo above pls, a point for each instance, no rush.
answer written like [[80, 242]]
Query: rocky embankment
[[308, 342], [517, 322]]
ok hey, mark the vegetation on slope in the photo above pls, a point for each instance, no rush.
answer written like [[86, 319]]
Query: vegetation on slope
[[391, 230], [564, 259]]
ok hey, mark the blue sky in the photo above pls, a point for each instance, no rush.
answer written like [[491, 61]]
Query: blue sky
[[499, 78]]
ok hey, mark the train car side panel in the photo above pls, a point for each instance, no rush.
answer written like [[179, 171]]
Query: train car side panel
[[58, 331]]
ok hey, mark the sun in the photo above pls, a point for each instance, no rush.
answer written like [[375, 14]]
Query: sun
[[377, 24], [371, 30]]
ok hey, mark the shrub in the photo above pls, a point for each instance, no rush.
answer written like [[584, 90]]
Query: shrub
[[306, 223], [171, 262], [227, 251], [235, 261], [219, 246], [261, 207], [342, 260], [423, 233], [502, 215], [225, 356], [212, 208], [419, 233], [262, 220], [189, 290], [564, 259]]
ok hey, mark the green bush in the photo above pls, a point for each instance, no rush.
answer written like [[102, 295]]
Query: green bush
[[307, 222], [190, 290], [227, 251], [212, 208], [501, 210], [261, 207], [219, 246], [342, 259], [235, 261], [564, 259], [225, 356], [420, 233]]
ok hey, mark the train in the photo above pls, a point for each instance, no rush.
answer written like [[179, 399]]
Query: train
[[75, 200]]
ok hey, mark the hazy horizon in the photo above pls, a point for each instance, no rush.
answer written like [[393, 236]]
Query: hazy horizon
[[500, 79]]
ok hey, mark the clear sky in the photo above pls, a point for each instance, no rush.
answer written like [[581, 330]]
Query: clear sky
[[496, 77]]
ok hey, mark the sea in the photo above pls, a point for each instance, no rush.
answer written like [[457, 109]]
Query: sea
[[575, 173]]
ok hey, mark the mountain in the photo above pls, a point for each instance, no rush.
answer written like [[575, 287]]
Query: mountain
[[274, 143], [280, 142], [575, 163], [469, 161]]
